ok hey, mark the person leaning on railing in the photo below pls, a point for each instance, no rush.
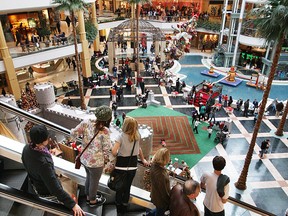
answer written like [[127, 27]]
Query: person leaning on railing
[[160, 184]]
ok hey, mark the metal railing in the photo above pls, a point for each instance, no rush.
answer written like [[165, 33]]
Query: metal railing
[[137, 198]]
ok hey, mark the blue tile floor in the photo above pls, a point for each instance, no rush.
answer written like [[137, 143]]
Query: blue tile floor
[[267, 181]]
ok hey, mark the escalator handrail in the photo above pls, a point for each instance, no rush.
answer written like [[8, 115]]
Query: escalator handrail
[[34, 118], [34, 201]]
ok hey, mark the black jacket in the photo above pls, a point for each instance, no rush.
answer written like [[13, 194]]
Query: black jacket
[[41, 172]]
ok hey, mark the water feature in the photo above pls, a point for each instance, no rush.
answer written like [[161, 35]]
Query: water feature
[[243, 91]]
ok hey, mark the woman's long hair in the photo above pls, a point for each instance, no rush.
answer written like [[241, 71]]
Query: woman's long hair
[[130, 127], [161, 157]]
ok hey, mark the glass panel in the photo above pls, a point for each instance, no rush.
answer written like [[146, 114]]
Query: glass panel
[[21, 123], [11, 208]]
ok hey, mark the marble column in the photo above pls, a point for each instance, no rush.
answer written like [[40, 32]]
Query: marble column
[[162, 53], [156, 48], [96, 43], [100, 2], [85, 55], [11, 77], [111, 55]]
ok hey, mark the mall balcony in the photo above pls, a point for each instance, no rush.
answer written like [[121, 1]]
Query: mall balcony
[[15, 198]]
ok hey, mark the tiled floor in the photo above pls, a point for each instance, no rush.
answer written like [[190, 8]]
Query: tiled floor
[[267, 181]]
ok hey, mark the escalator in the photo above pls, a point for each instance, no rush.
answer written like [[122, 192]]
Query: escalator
[[14, 200]]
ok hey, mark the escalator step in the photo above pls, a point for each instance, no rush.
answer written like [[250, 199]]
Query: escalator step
[[92, 210], [109, 210]]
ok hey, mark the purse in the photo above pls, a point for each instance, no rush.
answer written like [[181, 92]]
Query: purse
[[77, 159], [117, 179]]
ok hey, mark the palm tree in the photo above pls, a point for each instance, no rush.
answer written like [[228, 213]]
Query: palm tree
[[279, 131], [271, 24], [74, 6], [136, 42]]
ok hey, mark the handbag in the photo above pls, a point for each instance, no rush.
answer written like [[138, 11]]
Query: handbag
[[77, 159], [116, 179]]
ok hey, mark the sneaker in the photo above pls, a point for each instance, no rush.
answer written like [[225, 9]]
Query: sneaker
[[99, 202], [99, 196]]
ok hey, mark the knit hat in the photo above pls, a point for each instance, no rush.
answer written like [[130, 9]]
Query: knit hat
[[103, 113], [38, 134]]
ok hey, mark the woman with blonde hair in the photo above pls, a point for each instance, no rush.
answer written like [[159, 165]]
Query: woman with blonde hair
[[126, 160], [160, 185]]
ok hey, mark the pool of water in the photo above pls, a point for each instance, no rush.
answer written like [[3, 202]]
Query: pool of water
[[241, 91], [188, 60]]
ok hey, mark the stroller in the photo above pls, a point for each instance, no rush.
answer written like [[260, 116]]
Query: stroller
[[141, 101], [220, 137]]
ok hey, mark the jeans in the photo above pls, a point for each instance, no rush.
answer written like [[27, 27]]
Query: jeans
[[93, 176], [207, 212], [156, 212], [262, 152], [123, 195]]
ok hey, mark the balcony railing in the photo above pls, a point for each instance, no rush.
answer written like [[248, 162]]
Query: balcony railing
[[250, 32], [32, 48], [10, 149]]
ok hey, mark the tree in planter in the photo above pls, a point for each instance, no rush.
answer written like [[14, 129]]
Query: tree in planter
[[271, 24], [91, 31], [74, 6], [279, 131]]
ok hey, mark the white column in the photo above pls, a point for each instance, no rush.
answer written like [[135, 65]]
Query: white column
[[162, 54], [156, 48], [111, 55], [238, 31], [223, 22]]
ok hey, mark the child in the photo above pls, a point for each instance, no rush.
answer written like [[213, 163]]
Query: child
[[209, 130], [163, 143], [196, 126]]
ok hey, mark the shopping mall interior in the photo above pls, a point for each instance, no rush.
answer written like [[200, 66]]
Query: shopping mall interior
[[164, 59]]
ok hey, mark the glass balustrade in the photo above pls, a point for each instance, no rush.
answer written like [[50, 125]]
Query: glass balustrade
[[235, 205]]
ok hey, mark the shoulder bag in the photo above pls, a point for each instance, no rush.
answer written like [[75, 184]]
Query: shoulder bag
[[116, 179], [77, 159]]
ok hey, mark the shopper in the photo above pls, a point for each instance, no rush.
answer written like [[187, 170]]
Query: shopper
[[124, 163], [239, 104], [209, 130], [160, 184], [181, 196], [246, 108], [39, 165], [217, 188], [96, 154], [264, 147], [196, 124]]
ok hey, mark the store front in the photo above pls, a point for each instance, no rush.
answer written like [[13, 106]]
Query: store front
[[22, 25], [108, 5], [251, 57], [206, 41]]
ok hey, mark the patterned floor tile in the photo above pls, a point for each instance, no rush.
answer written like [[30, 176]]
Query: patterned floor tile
[[271, 199], [257, 171]]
